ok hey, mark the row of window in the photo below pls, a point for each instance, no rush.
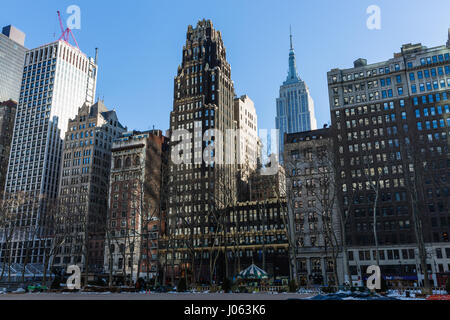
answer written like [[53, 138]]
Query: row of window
[[429, 73], [386, 70], [429, 86]]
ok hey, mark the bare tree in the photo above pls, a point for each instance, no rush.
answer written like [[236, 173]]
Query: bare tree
[[222, 200], [184, 231], [110, 249], [288, 192], [30, 230], [328, 198], [374, 179], [324, 191], [10, 205], [56, 225], [415, 163], [344, 217]]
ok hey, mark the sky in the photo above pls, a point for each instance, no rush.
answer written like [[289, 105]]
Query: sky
[[140, 44]]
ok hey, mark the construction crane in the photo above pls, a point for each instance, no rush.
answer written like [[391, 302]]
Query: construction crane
[[66, 33]]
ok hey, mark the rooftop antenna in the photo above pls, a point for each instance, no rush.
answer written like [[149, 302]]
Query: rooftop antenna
[[96, 55], [66, 33], [290, 35]]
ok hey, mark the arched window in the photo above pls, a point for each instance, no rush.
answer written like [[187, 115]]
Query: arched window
[[128, 162], [118, 163], [137, 161]]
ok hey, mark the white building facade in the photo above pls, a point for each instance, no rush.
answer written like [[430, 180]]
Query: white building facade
[[247, 140], [57, 80]]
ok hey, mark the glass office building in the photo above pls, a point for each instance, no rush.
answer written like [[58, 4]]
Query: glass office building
[[12, 56], [57, 79]]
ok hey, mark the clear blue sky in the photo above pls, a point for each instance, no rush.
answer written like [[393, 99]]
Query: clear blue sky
[[141, 44]]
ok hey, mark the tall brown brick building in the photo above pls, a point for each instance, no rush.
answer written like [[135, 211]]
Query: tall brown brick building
[[136, 206]]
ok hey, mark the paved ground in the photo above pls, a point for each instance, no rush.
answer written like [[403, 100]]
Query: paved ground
[[152, 296]]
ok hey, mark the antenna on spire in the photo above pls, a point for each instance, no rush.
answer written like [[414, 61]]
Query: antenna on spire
[[290, 35]]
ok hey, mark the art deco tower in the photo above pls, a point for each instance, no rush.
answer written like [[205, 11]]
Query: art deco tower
[[295, 106], [203, 100]]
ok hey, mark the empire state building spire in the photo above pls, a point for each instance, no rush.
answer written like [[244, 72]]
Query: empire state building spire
[[292, 74], [295, 106]]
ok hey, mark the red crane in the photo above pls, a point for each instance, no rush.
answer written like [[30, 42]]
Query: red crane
[[66, 33]]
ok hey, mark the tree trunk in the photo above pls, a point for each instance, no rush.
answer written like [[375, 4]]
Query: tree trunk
[[25, 263], [186, 274], [377, 253], [226, 260], [124, 267], [111, 266], [44, 276], [7, 249], [86, 257], [344, 249], [173, 266], [132, 267], [3, 271], [421, 249], [9, 264], [193, 279], [138, 272]]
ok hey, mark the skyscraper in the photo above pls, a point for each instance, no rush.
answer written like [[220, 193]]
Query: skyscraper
[[7, 116], [12, 56], [392, 155], [84, 184], [57, 79], [203, 101], [295, 106]]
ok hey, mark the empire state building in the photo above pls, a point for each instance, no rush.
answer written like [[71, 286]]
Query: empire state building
[[295, 106]]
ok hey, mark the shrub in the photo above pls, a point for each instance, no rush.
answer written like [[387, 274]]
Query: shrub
[[292, 286], [226, 285], [182, 287], [243, 289]]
